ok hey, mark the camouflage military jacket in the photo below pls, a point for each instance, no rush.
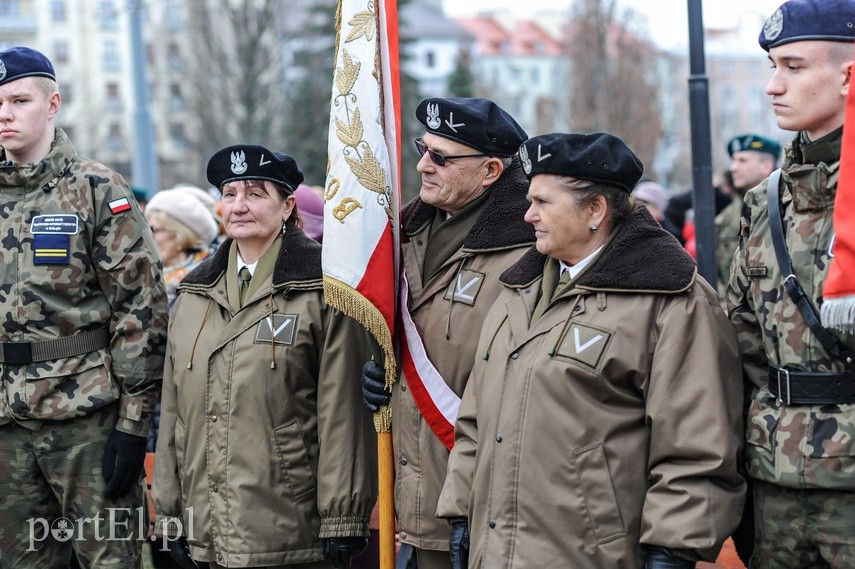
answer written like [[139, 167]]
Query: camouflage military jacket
[[76, 257], [727, 240], [797, 446]]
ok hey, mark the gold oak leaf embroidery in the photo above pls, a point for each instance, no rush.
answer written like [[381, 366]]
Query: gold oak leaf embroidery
[[347, 74], [350, 135], [369, 172], [363, 24]]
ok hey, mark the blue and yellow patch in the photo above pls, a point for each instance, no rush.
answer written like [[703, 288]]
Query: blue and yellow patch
[[51, 249]]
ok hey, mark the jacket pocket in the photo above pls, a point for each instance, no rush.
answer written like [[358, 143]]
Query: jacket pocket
[[760, 429], [830, 448], [70, 387], [294, 460], [601, 505]]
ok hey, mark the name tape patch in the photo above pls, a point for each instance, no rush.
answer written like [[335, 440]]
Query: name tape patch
[[65, 224]]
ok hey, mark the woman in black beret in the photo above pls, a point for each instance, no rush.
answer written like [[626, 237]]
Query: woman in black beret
[[264, 457], [601, 424]]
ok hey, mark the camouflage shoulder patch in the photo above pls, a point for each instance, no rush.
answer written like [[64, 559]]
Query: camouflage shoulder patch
[[758, 272]]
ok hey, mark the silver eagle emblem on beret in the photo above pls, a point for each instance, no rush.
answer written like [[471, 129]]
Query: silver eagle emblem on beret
[[526, 161], [433, 120], [2, 70], [238, 162], [774, 25]]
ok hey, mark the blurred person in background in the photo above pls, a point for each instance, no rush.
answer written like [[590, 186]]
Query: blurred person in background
[[311, 206], [654, 197], [183, 229], [752, 159]]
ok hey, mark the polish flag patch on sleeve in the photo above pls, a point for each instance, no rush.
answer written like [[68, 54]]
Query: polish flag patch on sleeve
[[119, 205]]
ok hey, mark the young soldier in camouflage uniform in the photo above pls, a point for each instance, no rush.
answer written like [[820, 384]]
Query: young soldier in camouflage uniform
[[83, 332], [800, 449]]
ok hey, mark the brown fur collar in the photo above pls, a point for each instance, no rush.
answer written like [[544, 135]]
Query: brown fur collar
[[500, 223], [640, 256], [299, 260]]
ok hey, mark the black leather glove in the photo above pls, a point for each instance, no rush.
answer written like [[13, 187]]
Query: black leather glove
[[340, 550], [180, 553], [458, 544], [374, 392], [122, 463], [659, 558]]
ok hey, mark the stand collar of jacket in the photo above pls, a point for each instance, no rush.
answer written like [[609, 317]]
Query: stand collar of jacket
[[44, 175], [500, 223], [299, 261], [639, 256]]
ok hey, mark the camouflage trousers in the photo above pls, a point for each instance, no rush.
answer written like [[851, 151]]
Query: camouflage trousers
[[803, 528], [52, 498]]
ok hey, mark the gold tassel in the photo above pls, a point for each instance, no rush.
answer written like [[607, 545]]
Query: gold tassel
[[349, 302]]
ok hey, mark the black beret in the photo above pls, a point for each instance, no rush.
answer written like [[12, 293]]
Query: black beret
[[598, 157], [753, 142], [802, 20], [253, 162], [19, 62], [478, 123]]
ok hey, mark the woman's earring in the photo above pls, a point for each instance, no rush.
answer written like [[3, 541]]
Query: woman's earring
[[593, 228], [284, 227]]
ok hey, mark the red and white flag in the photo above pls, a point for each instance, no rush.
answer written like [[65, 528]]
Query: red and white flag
[[362, 191], [838, 304]]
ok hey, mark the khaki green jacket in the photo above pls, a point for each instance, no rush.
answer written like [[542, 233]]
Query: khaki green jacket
[[450, 333], [70, 264], [260, 463], [610, 423], [799, 446]]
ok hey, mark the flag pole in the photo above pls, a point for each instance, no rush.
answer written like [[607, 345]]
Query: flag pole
[[361, 253], [391, 102]]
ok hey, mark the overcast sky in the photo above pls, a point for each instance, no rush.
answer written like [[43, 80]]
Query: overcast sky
[[667, 20]]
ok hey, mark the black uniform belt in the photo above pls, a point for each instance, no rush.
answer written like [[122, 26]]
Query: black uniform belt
[[20, 353], [812, 388]]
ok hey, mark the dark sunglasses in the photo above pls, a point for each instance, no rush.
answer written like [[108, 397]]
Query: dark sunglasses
[[438, 158]]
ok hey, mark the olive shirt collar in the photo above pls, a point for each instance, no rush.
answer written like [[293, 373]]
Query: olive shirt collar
[[262, 272]]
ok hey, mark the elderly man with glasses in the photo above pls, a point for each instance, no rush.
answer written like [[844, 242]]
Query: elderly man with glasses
[[462, 231]]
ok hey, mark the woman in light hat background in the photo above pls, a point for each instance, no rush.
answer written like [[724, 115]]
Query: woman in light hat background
[[183, 229], [607, 379], [265, 448]]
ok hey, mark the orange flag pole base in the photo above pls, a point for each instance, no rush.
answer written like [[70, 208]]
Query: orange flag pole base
[[386, 498]]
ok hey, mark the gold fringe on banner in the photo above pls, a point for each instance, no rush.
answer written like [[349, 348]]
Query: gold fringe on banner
[[345, 298]]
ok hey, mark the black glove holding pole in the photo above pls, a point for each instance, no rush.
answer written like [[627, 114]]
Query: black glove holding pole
[[459, 543], [374, 392]]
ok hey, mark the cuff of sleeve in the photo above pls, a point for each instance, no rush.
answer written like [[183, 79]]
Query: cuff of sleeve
[[170, 527], [347, 526], [132, 420], [137, 428]]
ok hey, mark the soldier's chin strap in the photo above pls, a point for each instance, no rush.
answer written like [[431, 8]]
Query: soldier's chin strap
[[794, 289]]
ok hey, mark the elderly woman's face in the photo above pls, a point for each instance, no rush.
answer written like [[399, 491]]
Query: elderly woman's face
[[561, 227], [253, 213]]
